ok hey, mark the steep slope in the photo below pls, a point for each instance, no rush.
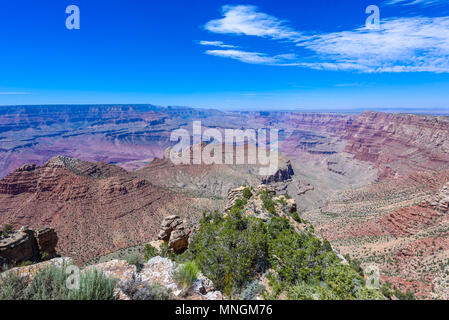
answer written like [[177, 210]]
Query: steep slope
[[401, 225], [95, 208]]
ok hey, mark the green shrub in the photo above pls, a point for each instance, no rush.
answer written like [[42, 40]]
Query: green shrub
[[282, 201], [252, 290], [387, 290], [268, 202], [45, 256], [49, 284], [149, 252], [303, 260], [135, 259], [247, 194], [25, 263], [94, 285], [138, 290], [7, 230], [310, 291], [296, 217], [12, 286], [355, 264], [186, 274], [239, 205], [167, 252], [408, 295], [230, 251]]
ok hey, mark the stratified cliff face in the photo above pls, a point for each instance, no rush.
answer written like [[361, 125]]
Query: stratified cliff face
[[127, 135], [133, 135], [327, 122], [398, 143], [95, 208]]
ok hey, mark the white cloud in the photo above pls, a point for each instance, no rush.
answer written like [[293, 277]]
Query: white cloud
[[219, 44], [254, 57], [402, 45], [246, 20], [423, 3], [412, 44]]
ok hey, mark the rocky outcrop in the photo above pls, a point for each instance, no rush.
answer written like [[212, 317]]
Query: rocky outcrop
[[254, 206], [283, 174], [161, 271], [441, 201], [28, 245], [174, 233], [31, 270], [47, 240], [157, 270], [233, 196]]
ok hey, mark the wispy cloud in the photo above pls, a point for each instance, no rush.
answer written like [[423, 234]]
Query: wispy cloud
[[254, 57], [219, 44], [402, 45], [423, 3], [247, 20], [412, 44]]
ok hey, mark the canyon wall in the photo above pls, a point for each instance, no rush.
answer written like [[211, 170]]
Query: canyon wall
[[399, 143]]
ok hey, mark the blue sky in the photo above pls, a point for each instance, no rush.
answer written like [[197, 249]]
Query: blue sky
[[245, 55]]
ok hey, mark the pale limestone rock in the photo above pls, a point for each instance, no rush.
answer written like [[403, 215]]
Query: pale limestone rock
[[31, 270], [116, 269], [160, 270]]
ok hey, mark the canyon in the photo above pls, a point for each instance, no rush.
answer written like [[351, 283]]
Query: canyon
[[374, 184]]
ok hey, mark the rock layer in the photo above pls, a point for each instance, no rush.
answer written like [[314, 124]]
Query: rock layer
[[95, 208]]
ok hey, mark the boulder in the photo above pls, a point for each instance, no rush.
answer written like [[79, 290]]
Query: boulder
[[283, 174], [174, 233], [440, 201]]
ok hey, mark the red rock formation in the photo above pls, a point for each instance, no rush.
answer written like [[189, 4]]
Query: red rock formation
[[400, 224], [399, 143], [94, 208]]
